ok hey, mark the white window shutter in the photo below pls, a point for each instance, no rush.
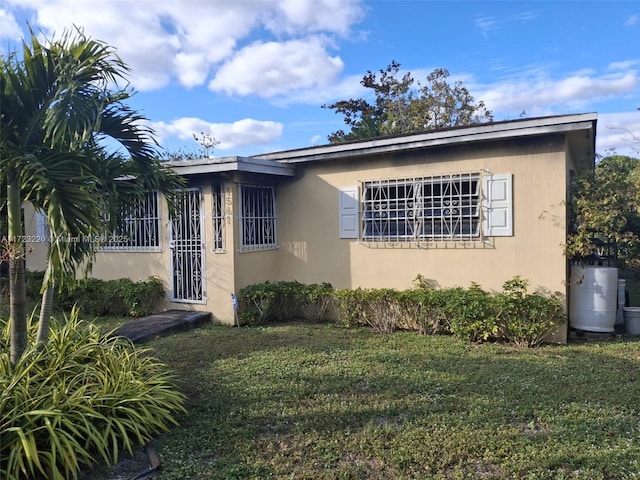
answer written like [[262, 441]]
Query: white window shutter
[[349, 217], [498, 221]]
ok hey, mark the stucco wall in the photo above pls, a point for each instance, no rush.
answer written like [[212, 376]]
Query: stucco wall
[[312, 251]]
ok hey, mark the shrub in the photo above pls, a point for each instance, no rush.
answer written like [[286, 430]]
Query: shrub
[[258, 304], [350, 307], [316, 301], [470, 313], [526, 319], [122, 297], [33, 281], [80, 399], [383, 309], [281, 301], [141, 298]]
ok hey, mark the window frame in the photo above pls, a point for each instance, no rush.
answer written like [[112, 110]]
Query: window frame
[[218, 217], [126, 236], [257, 218], [432, 208]]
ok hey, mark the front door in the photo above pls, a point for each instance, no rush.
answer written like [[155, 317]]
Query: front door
[[187, 249]]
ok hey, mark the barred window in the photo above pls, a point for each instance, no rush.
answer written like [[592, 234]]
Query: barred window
[[139, 229], [444, 207], [217, 217], [257, 218]]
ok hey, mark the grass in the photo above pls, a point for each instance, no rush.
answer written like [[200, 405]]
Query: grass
[[321, 402]]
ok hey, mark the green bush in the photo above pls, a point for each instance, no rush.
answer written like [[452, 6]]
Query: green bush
[[258, 304], [33, 281], [316, 301], [471, 314], [468, 313], [384, 310], [423, 312], [281, 301], [350, 307], [526, 319], [82, 398], [122, 297]]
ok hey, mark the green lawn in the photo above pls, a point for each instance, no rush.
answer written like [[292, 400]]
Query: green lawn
[[322, 402]]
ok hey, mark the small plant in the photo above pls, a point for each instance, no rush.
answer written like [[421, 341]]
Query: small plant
[[80, 399]]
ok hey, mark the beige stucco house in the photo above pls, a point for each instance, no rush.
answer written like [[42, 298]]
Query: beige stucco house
[[470, 204]]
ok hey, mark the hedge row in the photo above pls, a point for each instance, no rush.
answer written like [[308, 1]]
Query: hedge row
[[513, 315], [95, 297]]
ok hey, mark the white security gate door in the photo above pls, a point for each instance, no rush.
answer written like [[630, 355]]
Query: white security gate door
[[187, 249]]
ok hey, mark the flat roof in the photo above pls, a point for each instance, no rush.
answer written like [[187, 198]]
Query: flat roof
[[231, 164], [580, 130], [449, 136]]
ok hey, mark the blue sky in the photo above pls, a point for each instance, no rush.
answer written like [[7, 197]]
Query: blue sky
[[254, 73]]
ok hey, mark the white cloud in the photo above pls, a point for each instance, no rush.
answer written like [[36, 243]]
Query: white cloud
[[187, 40], [334, 16], [624, 65], [230, 135], [8, 26], [619, 131], [632, 20], [272, 69], [489, 24], [541, 92], [316, 140]]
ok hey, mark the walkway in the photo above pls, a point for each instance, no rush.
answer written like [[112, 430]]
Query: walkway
[[161, 324]]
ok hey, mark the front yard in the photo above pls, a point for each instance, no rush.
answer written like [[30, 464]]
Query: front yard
[[323, 402]]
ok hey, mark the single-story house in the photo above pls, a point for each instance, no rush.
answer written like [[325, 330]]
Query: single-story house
[[479, 203]]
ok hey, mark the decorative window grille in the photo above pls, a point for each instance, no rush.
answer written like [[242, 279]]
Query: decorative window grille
[[139, 229], [217, 217], [443, 207], [257, 218]]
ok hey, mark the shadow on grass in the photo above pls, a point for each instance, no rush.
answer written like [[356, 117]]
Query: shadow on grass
[[325, 402]]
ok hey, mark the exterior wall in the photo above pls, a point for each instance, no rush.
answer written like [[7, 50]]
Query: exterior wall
[[312, 252], [36, 260], [137, 265]]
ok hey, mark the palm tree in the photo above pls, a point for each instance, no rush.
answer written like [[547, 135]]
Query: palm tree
[[58, 103]]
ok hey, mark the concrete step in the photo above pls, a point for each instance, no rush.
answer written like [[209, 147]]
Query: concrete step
[[162, 324]]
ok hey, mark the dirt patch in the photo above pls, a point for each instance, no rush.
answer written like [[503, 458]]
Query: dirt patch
[[138, 467]]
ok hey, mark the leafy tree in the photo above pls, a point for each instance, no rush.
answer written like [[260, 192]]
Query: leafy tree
[[206, 142], [604, 206], [405, 105], [59, 102]]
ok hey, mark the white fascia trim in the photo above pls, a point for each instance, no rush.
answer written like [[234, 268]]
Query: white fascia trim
[[489, 131], [231, 164]]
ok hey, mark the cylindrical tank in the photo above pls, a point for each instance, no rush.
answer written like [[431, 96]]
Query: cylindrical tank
[[622, 287], [593, 298]]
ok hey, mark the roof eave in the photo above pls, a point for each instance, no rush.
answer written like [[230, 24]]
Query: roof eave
[[231, 164], [485, 132]]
